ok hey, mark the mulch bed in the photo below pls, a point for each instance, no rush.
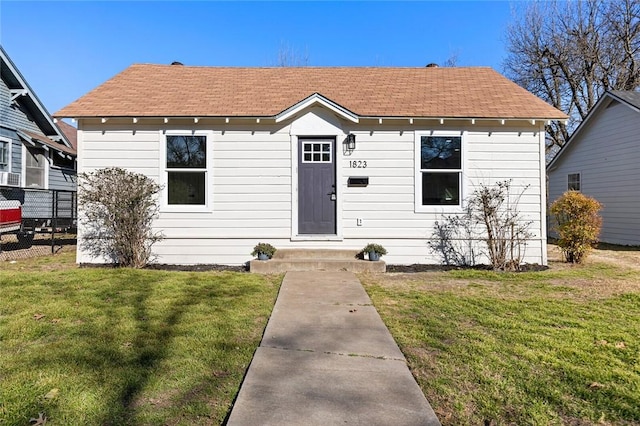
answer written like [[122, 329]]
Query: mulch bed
[[197, 268], [168, 267], [439, 268], [415, 268]]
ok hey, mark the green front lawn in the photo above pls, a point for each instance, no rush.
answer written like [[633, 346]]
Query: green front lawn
[[554, 347], [122, 346]]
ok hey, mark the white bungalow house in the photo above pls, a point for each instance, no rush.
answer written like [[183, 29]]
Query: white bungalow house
[[601, 160], [314, 157]]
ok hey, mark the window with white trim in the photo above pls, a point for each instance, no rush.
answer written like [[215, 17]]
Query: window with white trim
[[186, 169], [573, 182], [440, 170], [35, 168], [5, 156]]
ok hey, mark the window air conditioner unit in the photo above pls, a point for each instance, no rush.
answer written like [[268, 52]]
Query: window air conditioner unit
[[9, 179]]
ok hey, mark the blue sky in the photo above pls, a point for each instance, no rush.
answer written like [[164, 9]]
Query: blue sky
[[65, 49]]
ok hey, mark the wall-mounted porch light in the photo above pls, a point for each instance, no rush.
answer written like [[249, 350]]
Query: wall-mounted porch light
[[351, 141]]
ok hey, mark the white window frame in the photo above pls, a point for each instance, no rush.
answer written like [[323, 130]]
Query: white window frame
[[23, 180], [321, 152], [9, 143], [579, 181], [462, 184], [163, 178]]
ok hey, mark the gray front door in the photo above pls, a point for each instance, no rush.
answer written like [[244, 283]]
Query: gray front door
[[317, 186]]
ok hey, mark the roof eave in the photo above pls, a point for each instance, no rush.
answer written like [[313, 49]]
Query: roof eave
[[292, 111], [622, 100], [39, 106], [583, 124], [49, 144]]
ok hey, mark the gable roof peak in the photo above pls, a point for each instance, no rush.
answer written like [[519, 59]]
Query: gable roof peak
[[630, 97], [25, 94]]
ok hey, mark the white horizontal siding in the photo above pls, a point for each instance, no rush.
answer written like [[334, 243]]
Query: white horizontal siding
[[251, 192], [245, 172], [606, 153], [237, 251], [387, 210], [135, 151], [250, 206]]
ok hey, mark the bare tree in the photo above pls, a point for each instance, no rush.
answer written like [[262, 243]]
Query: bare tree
[[570, 52], [291, 57], [452, 60]]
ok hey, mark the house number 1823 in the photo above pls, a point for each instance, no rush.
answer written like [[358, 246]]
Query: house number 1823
[[358, 164]]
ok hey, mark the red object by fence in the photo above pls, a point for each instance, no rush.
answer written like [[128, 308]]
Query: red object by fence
[[10, 215]]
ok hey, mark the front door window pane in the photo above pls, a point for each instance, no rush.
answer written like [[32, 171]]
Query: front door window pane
[[314, 152]]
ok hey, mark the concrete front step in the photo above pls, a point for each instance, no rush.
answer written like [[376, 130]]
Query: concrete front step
[[276, 266], [315, 254]]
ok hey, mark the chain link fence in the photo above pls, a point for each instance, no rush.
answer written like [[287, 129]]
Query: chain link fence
[[49, 220]]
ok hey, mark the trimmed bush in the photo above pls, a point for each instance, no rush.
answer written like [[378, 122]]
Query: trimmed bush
[[117, 208], [578, 224]]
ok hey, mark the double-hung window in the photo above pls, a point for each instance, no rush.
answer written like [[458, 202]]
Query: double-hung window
[[573, 182], [4, 155], [186, 168], [439, 179], [35, 168]]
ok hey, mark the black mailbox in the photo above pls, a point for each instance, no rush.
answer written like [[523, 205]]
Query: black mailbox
[[357, 181]]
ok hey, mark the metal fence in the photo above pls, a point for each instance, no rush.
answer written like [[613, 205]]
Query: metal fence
[[49, 220]]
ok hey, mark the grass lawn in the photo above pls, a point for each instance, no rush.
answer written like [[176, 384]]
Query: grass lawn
[[555, 347], [122, 346]]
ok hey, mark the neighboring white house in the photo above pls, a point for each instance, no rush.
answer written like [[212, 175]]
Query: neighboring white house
[[314, 157], [601, 160]]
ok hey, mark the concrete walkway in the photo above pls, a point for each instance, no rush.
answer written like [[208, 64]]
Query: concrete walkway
[[327, 358]]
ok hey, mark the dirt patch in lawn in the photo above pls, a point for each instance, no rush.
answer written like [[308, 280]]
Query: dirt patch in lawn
[[607, 271], [12, 249], [624, 256]]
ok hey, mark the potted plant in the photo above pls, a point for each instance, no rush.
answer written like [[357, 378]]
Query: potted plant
[[374, 251], [263, 251]]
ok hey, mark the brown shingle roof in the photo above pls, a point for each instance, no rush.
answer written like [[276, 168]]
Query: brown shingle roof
[[46, 141], [182, 91], [70, 132]]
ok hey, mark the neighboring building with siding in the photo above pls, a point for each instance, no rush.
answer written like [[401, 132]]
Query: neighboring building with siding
[[314, 157], [35, 153], [601, 160]]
